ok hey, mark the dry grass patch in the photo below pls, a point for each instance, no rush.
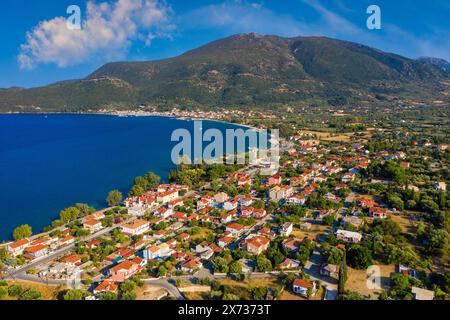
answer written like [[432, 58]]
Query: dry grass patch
[[357, 280], [150, 293], [49, 292]]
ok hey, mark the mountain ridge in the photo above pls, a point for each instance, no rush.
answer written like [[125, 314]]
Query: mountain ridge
[[245, 70]]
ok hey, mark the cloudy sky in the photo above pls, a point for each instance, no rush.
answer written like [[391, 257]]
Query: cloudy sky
[[38, 48]]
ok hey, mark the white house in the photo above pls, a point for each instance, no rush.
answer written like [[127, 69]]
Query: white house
[[348, 236], [136, 227], [301, 286], [17, 247], [286, 229]]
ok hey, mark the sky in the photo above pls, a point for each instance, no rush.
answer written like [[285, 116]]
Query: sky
[[37, 48]]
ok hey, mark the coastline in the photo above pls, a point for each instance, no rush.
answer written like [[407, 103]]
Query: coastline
[[131, 113], [4, 242]]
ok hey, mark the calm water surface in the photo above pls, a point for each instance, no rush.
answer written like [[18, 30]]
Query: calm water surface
[[49, 162]]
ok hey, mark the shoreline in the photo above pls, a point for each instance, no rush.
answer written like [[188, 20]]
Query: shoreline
[[130, 113], [4, 242]]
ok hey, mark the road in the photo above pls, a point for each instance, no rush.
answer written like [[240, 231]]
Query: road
[[312, 269], [57, 253], [166, 285]]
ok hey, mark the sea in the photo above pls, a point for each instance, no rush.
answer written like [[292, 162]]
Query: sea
[[51, 161]]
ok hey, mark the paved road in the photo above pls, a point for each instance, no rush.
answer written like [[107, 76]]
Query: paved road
[[165, 284], [57, 253], [312, 269]]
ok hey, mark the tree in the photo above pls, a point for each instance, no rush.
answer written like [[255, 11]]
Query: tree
[[74, 295], [114, 198], [235, 267], [153, 179], [136, 191], [3, 291], [328, 219], [22, 231], [220, 265], [359, 257], [69, 214], [263, 264], [108, 296], [342, 275], [230, 296], [31, 294], [259, 293], [395, 201]]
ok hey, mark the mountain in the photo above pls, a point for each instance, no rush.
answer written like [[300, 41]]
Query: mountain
[[440, 63], [242, 71]]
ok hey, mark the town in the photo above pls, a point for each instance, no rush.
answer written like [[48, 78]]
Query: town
[[335, 209]]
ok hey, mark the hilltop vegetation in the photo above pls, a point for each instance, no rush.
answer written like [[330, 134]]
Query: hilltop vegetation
[[243, 71]]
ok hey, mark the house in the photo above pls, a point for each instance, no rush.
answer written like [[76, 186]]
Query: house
[[296, 200], [289, 264], [378, 213], [442, 186], [184, 237], [176, 203], [167, 196], [244, 180], [224, 241], [234, 228], [407, 271], [274, 180], [189, 266], [245, 202], [302, 287], [136, 211], [292, 244], [205, 201], [220, 197], [225, 218], [95, 216], [422, 294], [93, 244], [72, 260], [366, 203], [138, 245], [278, 193], [352, 220], [257, 244], [305, 226], [105, 286], [330, 270], [267, 233], [163, 212], [67, 240], [179, 215], [136, 227], [286, 229], [298, 181], [126, 269], [348, 177], [36, 251], [92, 225], [202, 247], [160, 251], [348, 236], [230, 205], [16, 248]]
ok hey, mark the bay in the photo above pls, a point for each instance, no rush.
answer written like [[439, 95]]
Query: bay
[[50, 162]]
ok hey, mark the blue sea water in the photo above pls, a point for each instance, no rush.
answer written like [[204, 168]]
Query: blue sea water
[[50, 162]]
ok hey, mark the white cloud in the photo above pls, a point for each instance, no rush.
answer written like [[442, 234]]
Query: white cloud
[[108, 30]]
